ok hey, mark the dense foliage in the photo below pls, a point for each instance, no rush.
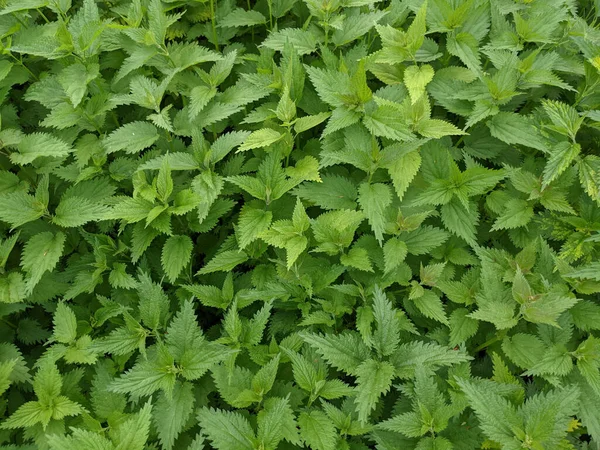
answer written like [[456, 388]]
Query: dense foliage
[[286, 224]]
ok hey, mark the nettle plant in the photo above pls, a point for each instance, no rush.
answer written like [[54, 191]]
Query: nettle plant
[[286, 224]]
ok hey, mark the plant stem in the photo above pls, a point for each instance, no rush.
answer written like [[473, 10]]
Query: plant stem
[[270, 14], [213, 22], [20, 62], [252, 27], [42, 14], [491, 341]]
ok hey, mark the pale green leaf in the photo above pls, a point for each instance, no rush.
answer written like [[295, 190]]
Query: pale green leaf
[[176, 254]]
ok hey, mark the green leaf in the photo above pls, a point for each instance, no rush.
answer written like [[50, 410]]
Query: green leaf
[[265, 377], [307, 122], [65, 324], [374, 200], [317, 430], [132, 434], [547, 308], [560, 160], [176, 254], [146, 377], [589, 175], [460, 220], [589, 271], [132, 138], [22, 5], [416, 79], [517, 214], [39, 145], [417, 354], [224, 261], [171, 414], [415, 35], [199, 98], [334, 192], [305, 169], [436, 128], [513, 128], [226, 430], [286, 108], [387, 334], [186, 343], [251, 224], [260, 138], [403, 170], [303, 41], [345, 351], [79, 439], [75, 78], [241, 18], [430, 305], [565, 118], [462, 327], [221, 147], [356, 26], [305, 374], [384, 122], [374, 378], [76, 211], [153, 304], [131, 209], [465, 47], [41, 254], [340, 118], [330, 85], [18, 208], [276, 422], [6, 369], [358, 258], [498, 418], [28, 415], [120, 278], [394, 253]]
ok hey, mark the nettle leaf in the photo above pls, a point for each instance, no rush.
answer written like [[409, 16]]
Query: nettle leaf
[[517, 213], [303, 41], [355, 26], [171, 414], [251, 224], [513, 128], [374, 378], [40, 145], [275, 423], [241, 18], [374, 200], [65, 324], [317, 430], [132, 138], [41, 254], [560, 159], [260, 138], [307, 122], [345, 352], [460, 220], [176, 254], [132, 433], [416, 79], [224, 261], [386, 336], [76, 211], [18, 208], [226, 430]]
